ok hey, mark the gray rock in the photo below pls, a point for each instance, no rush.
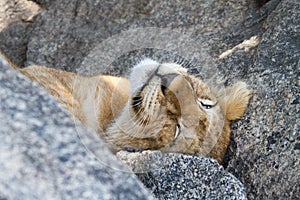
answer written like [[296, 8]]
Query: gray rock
[[44, 3], [82, 26], [16, 23], [267, 156], [178, 176], [45, 154]]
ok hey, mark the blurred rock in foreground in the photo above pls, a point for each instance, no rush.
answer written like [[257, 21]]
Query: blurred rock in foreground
[[45, 154]]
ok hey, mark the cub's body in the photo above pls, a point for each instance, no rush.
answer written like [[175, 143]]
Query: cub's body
[[160, 107]]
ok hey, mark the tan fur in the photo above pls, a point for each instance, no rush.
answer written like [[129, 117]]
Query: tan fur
[[85, 97], [182, 116]]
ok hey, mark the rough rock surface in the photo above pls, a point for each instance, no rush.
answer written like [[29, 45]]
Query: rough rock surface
[[267, 158], [64, 33], [44, 154], [16, 23], [178, 176], [102, 36]]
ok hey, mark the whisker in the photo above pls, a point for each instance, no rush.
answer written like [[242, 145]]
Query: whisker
[[138, 122]]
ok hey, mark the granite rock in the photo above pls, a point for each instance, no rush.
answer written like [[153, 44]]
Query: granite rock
[[46, 154], [16, 23], [267, 157], [83, 26], [179, 176]]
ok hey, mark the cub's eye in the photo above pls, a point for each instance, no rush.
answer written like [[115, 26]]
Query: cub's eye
[[206, 104], [177, 131]]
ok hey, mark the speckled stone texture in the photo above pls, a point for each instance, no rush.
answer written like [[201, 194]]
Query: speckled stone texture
[[267, 157], [45, 154], [16, 22], [65, 33], [178, 176], [93, 36]]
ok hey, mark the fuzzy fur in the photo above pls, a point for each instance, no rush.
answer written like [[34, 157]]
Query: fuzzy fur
[[160, 107]]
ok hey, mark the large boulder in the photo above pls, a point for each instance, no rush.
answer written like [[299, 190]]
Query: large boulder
[[267, 156], [65, 33], [45, 154], [179, 176]]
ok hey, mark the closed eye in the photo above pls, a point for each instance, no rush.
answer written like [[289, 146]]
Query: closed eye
[[206, 104]]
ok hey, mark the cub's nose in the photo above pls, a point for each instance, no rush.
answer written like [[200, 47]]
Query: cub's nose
[[167, 73], [166, 81]]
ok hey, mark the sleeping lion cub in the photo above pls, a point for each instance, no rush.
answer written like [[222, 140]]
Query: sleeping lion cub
[[160, 107]]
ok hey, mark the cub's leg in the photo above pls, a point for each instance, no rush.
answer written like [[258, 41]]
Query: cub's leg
[[94, 100]]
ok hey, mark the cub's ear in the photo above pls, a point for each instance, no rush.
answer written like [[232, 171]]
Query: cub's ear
[[234, 100]]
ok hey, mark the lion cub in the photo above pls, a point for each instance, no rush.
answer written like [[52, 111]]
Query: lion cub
[[160, 107]]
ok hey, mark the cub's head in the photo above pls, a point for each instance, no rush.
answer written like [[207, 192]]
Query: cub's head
[[172, 111]]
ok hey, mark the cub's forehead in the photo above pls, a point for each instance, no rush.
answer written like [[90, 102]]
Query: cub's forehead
[[203, 91]]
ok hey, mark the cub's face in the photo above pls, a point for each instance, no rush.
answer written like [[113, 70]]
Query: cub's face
[[171, 110]]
